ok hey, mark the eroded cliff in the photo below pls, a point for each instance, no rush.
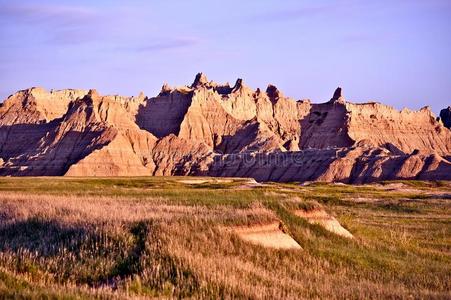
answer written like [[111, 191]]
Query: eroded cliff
[[218, 130]]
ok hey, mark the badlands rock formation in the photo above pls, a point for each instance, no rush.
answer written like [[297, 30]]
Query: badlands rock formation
[[445, 116], [218, 130]]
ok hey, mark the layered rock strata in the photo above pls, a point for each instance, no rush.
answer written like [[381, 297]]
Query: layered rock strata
[[219, 130]]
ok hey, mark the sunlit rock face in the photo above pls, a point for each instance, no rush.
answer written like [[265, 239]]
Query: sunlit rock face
[[212, 129]]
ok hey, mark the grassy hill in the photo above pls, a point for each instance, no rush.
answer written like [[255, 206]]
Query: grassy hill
[[176, 237]]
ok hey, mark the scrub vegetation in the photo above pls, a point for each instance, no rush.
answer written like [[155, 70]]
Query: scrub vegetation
[[64, 238]]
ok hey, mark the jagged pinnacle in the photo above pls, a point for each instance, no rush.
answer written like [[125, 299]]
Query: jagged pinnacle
[[273, 92], [338, 96], [238, 84], [201, 79], [93, 93]]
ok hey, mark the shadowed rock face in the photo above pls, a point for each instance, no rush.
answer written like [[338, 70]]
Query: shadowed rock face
[[218, 130], [445, 116], [337, 97]]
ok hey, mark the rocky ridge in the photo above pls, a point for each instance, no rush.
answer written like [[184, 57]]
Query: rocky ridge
[[218, 130]]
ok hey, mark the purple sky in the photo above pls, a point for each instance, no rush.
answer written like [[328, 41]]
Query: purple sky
[[396, 52]]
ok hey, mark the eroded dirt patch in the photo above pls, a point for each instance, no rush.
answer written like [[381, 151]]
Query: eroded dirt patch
[[322, 218], [269, 235]]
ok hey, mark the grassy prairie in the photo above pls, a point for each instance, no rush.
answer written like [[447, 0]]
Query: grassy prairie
[[77, 238]]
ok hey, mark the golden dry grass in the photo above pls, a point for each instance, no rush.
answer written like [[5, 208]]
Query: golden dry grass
[[158, 237]]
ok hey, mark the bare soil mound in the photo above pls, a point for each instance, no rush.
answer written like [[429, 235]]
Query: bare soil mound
[[321, 217], [270, 236]]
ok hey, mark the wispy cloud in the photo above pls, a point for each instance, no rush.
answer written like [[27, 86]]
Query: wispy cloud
[[72, 25], [62, 15], [291, 14], [166, 44], [53, 24], [74, 36]]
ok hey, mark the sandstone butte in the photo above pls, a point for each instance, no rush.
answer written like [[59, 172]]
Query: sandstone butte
[[209, 129]]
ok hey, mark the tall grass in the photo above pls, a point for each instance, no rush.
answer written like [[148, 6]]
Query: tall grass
[[157, 237]]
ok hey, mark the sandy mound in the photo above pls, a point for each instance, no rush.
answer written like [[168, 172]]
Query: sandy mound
[[193, 181], [270, 236], [250, 184], [202, 181], [321, 217]]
